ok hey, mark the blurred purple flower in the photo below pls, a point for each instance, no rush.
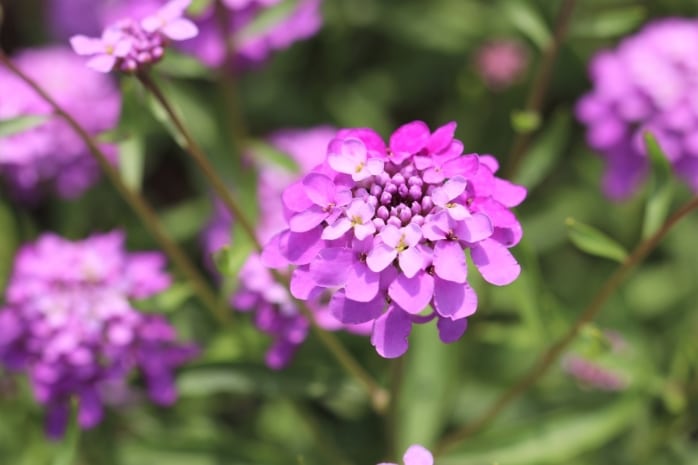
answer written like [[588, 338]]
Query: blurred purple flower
[[275, 312], [593, 374], [255, 37], [50, 156], [426, 203], [129, 44], [69, 324], [415, 455], [648, 83], [501, 63]]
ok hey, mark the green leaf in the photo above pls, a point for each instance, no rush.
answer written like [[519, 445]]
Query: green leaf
[[183, 66], [272, 155], [528, 21], [68, 451], [12, 126], [132, 162], [661, 188], [225, 261], [552, 440], [593, 241], [546, 151], [267, 19], [8, 242], [610, 23]]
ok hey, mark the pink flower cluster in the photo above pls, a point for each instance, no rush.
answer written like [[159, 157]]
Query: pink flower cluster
[[649, 83], [129, 45], [501, 63], [68, 322], [384, 227], [274, 310], [49, 156]]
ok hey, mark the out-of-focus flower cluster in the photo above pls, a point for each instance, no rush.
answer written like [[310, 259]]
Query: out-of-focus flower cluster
[[255, 27], [415, 455], [49, 156], [273, 308], [129, 45], [69, 324], [384, 227], [501, 63], [648, 83], [596, 373]]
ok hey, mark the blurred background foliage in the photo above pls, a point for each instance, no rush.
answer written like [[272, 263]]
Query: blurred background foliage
[[380, 63]]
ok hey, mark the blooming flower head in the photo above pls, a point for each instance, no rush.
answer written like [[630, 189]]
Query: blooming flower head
[[501, 63], [415, 455], [648, 83], [49, 156], [69, 324], [274, 310], [129, 45], [384, 227], [257, 27]]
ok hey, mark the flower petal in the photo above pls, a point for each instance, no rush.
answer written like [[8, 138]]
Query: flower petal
[[336, 229], [380, 257], [412, 294], [180, 29], [319, 188], [83, 45], [451, 330], [449, 262], [442, 137], [307, 220], [495, 263], [411, 261], [454, 300], [352, 312], [362, 284], [409, 139], [331, 266], [102, 63], [390, 333], [418, 455]]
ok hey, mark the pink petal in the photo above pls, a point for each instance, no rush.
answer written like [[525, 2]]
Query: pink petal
[[409, 139], [302, 283], [337, 229], [102, 63], [495, 263], [271, 254], [451, 330], [457, 211], [465, 166], [331, 266], [411, 261], [83, 45], [307, 220], [454, 300], [412, 294], [418, 455], [362, 284], [374, 143], [180, 29], [390, 333], [449, 261], [319, 188], [301, 248], [440, 139], [380, 257], [391, 235], [375, 166], [352, 312], [362, 231], [507, 193], [412, 233], [295, 199], [475, 228]]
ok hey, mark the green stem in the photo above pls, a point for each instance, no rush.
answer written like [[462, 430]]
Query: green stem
[[550, 356], [540, 84], [378, 395], [140, 206]]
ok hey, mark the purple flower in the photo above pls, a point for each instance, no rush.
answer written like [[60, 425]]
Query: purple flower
[[50, 157], [593, 374], [384, 227], [128, 44], [415, 455], [647, 83], [253, 43], [69, 324], [274, 310], [501, 63]]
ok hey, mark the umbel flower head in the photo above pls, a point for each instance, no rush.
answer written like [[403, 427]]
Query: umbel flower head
[[257, 27], [384, 227], [49, 156], [129, 45], [274, 310], [415, 455], [649, 82], [69, 324]]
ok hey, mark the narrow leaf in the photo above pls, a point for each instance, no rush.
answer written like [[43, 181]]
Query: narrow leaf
[[527, 20], [545, 152], [132, 162], [660, 187], [594, 242], [12, 126]]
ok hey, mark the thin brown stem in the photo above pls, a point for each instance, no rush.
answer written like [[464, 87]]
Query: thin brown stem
[[139, 205], [540, 84], [378, 395], [551, 355]]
